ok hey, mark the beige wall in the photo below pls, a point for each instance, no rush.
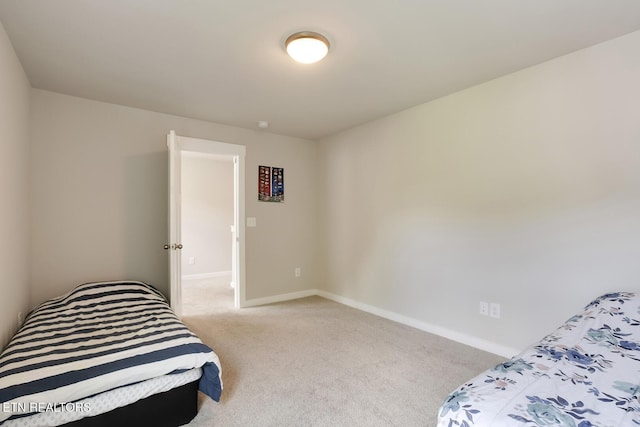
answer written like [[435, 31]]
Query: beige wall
[[14, 189], [524, 191], [99, 180], [207, 215]]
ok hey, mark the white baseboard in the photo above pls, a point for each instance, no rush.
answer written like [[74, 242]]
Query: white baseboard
[[206, 275], [279, 298], [469, 340]]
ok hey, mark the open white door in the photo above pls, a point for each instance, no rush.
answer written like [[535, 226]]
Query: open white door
[[177, 145], [174, 247]]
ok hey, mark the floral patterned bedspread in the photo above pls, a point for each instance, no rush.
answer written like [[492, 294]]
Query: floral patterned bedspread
[[586, 373]]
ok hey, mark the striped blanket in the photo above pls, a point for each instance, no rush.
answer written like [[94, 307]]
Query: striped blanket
[[98, 337]]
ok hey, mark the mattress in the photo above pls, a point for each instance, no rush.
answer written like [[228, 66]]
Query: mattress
[[98, 337], [106, 401], [584, 374]]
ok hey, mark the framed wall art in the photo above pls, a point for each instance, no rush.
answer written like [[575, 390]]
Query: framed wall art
[[270, 184]]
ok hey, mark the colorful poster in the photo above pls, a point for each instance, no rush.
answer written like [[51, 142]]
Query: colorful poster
[[277, 184], [270, 184], [264, 183]]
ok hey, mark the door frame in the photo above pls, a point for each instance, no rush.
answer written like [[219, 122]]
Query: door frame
[[177, 145]]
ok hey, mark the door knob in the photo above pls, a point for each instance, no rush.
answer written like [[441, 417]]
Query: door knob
[[174, 246]]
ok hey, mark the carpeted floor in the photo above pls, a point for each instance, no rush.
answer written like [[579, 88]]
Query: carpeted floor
[[207, 296], [314, 362]]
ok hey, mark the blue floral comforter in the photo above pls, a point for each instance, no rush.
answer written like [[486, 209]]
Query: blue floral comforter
[[586, 373]]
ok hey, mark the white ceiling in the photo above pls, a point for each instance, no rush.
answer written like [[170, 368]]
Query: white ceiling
[[224, 61]]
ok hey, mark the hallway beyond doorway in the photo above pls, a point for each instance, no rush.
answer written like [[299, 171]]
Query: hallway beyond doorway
[[206, 296]]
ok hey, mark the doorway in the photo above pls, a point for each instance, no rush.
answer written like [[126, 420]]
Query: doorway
[[229, 157], [207, 208]]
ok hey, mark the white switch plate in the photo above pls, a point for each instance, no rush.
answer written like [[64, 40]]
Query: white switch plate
[[251, 222], [298, 272], [192, 260]]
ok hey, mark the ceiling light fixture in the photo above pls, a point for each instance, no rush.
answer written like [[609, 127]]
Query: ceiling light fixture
[[307, 47]]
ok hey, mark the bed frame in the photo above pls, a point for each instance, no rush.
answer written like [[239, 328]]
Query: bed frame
[[171, 408]]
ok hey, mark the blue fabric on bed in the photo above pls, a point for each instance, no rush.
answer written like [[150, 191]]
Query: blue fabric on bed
[[584, 374], [100, 336]]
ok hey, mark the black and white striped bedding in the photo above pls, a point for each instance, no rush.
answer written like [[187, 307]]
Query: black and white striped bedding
[[98, 337]]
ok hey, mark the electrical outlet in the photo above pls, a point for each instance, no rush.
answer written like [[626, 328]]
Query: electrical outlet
[[494, 310], [484, 308], [298, 272]]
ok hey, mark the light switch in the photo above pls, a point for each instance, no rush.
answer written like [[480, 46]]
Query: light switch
[[251, 222]]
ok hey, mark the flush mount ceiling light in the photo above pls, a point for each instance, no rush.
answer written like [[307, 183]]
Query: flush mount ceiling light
[[307, 47]]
